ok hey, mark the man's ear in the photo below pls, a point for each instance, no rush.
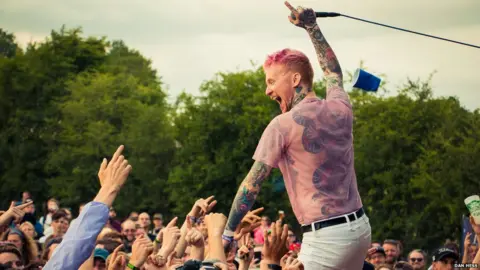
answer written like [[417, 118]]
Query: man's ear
[[296, 79]]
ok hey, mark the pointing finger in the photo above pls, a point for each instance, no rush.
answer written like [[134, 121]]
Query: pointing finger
[[257, 211], [103, 165], [117, 154], [209, 199], [21, 207], [292, 9], [172, 222]]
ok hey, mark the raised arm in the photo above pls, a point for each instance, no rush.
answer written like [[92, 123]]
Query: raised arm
[[246, 195], [306, 19]]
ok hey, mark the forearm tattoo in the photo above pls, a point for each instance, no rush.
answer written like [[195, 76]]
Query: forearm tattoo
[[247, 194], [327, 59]]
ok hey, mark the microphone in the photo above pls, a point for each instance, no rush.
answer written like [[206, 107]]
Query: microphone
[[327, 14]]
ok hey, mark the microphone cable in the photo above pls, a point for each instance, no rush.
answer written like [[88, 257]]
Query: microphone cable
[[334, 14]]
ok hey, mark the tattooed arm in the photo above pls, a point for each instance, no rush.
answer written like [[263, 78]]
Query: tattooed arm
[[246, 195], [329, 64], [306, 19]]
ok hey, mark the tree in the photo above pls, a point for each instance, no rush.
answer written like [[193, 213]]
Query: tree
[[30, 83], [8, 46], [103, 111], [407, 152]]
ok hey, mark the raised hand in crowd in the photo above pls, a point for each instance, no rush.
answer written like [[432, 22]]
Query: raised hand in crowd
[[79, 241], [275, 245], [245, 252], [112, 177], [141, 249], [14, 213], [194, 238], [292, 264], [159, 238], [171, 235], [466, 246], [215, 223], [202, 207], [116, 261], [476, 230], [199, 209], [250, 222]]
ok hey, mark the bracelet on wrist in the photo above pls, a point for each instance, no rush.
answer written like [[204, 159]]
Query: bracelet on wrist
[[193, 219], [274, 267], [227, 238], [133, 267], [271, 265]]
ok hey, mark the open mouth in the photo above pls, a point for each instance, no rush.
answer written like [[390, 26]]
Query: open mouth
[[278, 99]]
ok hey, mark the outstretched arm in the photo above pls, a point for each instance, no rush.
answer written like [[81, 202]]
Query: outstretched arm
[[246, 195], [306, 18]]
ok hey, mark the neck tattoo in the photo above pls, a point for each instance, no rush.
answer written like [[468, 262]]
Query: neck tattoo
[[300, 94]]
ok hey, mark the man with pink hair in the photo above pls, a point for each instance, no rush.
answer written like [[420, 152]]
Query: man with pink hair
[[312, 144]]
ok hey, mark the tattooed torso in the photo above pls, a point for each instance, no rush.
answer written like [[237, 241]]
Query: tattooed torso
[[317, 159]]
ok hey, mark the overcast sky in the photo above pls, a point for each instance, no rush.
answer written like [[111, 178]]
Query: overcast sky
[[190, 40]]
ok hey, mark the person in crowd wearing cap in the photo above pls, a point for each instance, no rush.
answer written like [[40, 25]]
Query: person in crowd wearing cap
[[100, 256], [157, 223], [444, 259], [311, 142], [417, 258], [376, 256]]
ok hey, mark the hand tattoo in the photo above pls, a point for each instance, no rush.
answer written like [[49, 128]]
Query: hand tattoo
[[247, 194], [307, 17]]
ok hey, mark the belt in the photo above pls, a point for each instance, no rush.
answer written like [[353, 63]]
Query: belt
[[334, 221]]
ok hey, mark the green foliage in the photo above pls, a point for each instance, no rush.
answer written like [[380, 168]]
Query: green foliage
[[415, 163], [30, 83], [69, 101], [66, 103], [8, 47]]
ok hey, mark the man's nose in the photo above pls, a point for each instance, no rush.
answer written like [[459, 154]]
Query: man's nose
[[268, 91]]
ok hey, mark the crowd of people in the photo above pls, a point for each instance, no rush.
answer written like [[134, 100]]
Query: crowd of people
[[96, 239]]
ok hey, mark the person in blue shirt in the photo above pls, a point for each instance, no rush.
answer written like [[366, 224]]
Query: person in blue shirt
[[79, 241]]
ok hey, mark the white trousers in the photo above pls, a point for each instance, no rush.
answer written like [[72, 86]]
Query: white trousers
[[337, 247]]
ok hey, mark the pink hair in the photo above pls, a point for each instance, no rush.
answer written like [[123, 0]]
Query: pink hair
[[294, 60]]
